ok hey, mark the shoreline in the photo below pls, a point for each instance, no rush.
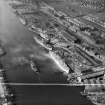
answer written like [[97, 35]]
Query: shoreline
[[7, 97]]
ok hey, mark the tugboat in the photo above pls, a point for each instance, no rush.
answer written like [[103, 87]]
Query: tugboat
[[33, 67]]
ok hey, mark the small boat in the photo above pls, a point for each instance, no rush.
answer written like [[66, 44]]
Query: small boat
[[33, 67]]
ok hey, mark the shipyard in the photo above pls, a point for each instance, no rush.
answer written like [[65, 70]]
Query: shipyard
[[71, 34]]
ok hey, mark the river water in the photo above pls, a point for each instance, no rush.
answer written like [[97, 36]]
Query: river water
[[19, 44]]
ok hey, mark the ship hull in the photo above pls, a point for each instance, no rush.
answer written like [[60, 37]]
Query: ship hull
[[59, 62]]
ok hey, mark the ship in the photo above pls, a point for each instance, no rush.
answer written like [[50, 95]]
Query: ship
[[34, 29], [41, 32], [42, 43], [60, 63], [23, 21]]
